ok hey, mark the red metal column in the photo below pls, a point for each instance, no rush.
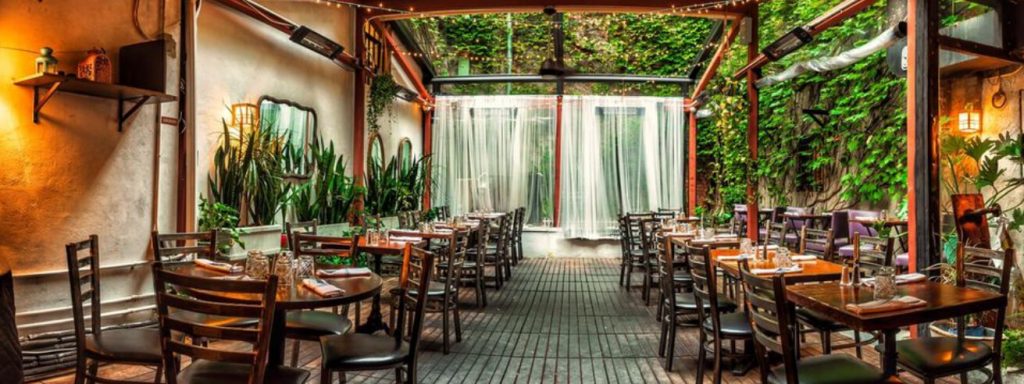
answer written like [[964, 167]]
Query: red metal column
[[691, 163], [428, 149], [752, 124], [558, 162]]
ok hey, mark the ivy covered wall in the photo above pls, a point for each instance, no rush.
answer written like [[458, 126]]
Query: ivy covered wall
[[856, 159]]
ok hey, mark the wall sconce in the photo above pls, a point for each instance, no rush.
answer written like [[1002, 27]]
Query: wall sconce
[[316, 42], [969, 120], [244, 116]]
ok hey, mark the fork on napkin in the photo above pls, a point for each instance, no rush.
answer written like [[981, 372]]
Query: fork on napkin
[[218, 266], [900, 279], [406, 239], [343, 272], [894, 304], [803, 258], [321, 287], [771, 271]]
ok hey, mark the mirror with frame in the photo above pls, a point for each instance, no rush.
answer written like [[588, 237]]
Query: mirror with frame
[[294, 121], [405, 154], [375, 157]]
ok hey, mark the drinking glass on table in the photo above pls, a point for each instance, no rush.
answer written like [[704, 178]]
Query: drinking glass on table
[[747, 248], [257, 265], [782, 259], [283, 268], [305, 267], [885, 283]]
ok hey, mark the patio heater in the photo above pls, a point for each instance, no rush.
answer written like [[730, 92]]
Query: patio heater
[[554, 67]]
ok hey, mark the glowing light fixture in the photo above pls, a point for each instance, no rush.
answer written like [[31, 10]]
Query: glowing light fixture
[[969, 120], [244, 117]]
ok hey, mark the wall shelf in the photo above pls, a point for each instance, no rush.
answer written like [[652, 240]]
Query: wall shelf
[[44, 86]]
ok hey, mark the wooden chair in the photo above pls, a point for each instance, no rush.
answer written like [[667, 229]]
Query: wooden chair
[[93, 344], [443, 294], [931, 358], [682, 280], [472, 271], [185, 247], [771, 320], [309, 227], [871, 254], [818, 242], [635, 254], [715, 327], [495, 253], [648, 227], [679, 305], [312, 325], [361, 352], [517, 235], [210, 364], [626, 248]]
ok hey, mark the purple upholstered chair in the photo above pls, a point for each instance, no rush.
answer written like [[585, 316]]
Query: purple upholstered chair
[[840, 226], [793, 227], [846, 250], [739, 219]]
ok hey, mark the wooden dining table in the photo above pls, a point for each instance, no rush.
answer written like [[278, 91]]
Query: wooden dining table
[[817, 270], [943, 301], [294, 297]]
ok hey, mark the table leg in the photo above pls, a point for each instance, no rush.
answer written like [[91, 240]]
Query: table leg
[[375, 322], [889, 352], [277, 338]]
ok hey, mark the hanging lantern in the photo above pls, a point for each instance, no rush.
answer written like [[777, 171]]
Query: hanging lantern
[[46, 63], [969, 120], [96, 67]]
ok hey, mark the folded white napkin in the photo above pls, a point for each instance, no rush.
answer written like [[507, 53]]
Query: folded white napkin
[[772, 271], [321, 287], [900, 279], [344, 272], [726, 236], [886, 305], [218, 266], [406, 239], [803, 258]]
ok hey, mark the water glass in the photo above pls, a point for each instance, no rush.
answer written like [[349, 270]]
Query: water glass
[[283, 269], [707, 233], [885, 283], [305, 267], [746, 247], [257, 265], [782, 259]]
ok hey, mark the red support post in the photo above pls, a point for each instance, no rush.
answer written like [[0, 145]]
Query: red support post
[[428, 149], [923, 197], [717, 59], [752, 124], [558, 162], [359, 109], [691, 163]]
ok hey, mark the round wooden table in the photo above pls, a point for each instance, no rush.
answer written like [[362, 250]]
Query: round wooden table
[[293, 298]]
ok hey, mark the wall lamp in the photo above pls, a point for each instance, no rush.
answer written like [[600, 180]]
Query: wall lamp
[[788, 43], [316, 42], [969, 120]]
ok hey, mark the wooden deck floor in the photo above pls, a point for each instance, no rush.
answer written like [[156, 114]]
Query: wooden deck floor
[[560, 320]]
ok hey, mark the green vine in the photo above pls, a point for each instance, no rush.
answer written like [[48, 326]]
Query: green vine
[[383, 89]]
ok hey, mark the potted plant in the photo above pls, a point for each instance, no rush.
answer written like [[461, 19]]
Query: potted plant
[[391, 188], [248, 176], [220, 217], [383, 89], [329, 194]]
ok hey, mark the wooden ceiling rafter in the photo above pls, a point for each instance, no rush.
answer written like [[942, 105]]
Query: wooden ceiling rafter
[[416, 9], [391, 45], [723, 48]]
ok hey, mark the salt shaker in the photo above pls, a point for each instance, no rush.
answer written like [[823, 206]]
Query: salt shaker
[[844, 278]]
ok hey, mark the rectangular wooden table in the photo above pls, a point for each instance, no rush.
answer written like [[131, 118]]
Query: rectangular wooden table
[[943, 302], [813, 271]]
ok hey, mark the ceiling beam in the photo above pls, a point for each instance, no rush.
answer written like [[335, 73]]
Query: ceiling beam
[[404, 33], [389, 42], [717, 60], [415, 8], [706, 53], [596, 78]]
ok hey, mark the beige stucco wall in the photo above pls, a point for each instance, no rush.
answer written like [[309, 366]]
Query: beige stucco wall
[[74, 174], [239, 60]]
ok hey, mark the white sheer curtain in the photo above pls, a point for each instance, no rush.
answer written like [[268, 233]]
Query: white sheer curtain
[[494, 153], [619, 154]]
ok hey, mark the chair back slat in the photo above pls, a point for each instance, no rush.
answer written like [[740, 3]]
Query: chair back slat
[[185, 247], [871, 254], [417, 270], [320, 247], [168, 287], [770, 319], [705, 284], [83, 259], [822, 237], [310, 227]]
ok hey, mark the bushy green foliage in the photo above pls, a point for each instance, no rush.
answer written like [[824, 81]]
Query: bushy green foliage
[[862, 143], [329, 194]]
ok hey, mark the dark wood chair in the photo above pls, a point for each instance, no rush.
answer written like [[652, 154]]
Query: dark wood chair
[[495, 255], [210, 364], [93, 344], [185, 247], [716, 327], [678, 306], [871, 254], [361, 352], [648, 227], [472, 271], [443, 293], [312, 325], [682, 280], [771, 319], [818, 242], [309, 227], [517, 235], [931, 358]]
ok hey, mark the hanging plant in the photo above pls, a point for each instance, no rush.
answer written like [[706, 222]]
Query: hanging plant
[[383, 89]]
